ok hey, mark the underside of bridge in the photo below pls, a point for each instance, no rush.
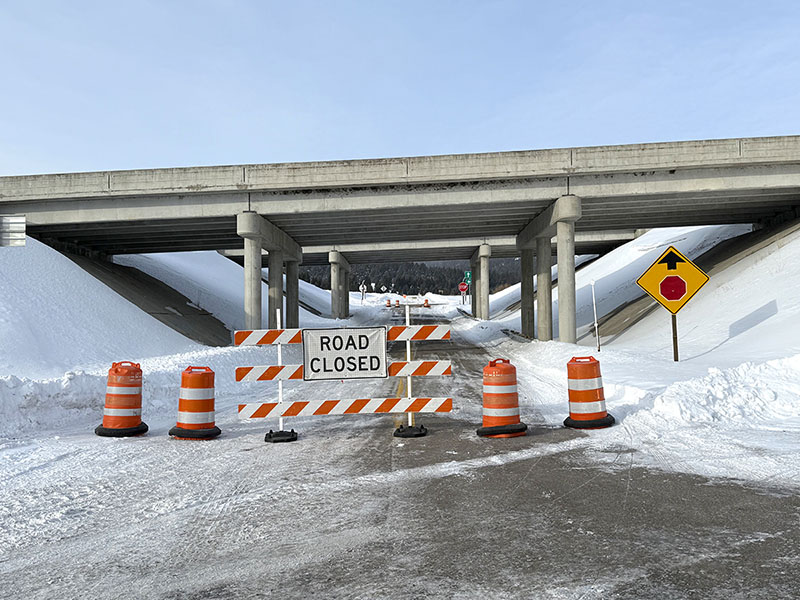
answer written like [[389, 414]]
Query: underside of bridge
[[474, 207]]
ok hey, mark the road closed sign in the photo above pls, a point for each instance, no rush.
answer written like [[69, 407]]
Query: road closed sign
[[353, 353]]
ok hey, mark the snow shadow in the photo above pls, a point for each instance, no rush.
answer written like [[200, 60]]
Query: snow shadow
[[759, 315], [756, 317]]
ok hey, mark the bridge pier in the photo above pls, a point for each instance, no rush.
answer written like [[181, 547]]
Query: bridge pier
[[473, 289], [479, 263], [258, 234], [526, 293], [544, 289], [340, 279], [292, 294], [565, 251], [252, 283], [275, 303], [559, 220]]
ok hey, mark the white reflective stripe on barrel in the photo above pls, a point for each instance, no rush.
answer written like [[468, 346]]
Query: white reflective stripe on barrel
[[501, 412], [197, 393], [583, 385], [122, 412], [117, 390], [583, 408], [194, 418], [500, 389]]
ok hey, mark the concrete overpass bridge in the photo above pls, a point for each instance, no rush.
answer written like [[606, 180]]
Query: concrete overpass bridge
[[471, 206]]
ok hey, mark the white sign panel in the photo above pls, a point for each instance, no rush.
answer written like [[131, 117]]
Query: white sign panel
[[357, 353], [12, 230]]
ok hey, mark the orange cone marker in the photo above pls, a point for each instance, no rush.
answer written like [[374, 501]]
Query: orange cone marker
[[196, 406], [501, 401], [587, 401], [122, 414]]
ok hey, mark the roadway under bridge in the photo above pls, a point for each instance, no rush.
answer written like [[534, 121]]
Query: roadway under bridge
[[467, 206]]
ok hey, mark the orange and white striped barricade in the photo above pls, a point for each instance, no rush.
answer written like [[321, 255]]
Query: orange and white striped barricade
[[501, 401], [196, 406], [318, 371], [418, 333], [279, 372], [414, 333], [263, 410], [122, 414], [587, 401]]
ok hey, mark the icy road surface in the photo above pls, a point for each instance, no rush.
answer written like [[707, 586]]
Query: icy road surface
[[348, 511]]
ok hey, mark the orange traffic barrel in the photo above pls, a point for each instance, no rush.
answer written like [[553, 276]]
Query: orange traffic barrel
[[388, 303], [501, 401], [587, 402], [196, 406], [122, 413], [426, 304], [397, 302]]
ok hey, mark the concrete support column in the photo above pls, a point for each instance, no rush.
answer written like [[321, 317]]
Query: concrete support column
[[335, 296], [565, 248], [340, 279], [526, 292], [346, 294], [259, 234], [484, 252], [275, 304], [252, 283], [476, 290], [292, 294], [473, 290], [544, 289]]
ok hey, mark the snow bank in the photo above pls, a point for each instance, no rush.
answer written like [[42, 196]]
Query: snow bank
[[74, 401], [216, 284], [55, 317]]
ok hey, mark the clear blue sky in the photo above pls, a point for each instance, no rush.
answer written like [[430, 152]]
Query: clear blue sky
[[121, 85]]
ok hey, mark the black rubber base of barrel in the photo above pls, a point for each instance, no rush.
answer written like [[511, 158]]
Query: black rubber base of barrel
[[276, 437], [606, 421], [195, 434], [501, 429], [410, 431], [124, 432]]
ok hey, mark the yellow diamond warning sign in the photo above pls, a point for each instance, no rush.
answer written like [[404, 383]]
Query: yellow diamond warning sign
[[672, 280]]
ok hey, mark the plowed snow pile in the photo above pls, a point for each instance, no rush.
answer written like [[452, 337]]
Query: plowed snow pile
[[55, 317]]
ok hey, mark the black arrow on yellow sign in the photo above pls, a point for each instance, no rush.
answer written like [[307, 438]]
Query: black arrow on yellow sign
[[671, 260]]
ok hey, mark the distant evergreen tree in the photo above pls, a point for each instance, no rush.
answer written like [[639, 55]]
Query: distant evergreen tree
[[418, 277]]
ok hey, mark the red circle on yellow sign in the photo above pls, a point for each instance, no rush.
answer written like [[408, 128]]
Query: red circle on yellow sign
[[672, 288]]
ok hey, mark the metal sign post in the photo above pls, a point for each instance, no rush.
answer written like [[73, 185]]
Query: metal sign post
[[280, 363], [596, 328], [408, 358], [672, 281], [675, 338]]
